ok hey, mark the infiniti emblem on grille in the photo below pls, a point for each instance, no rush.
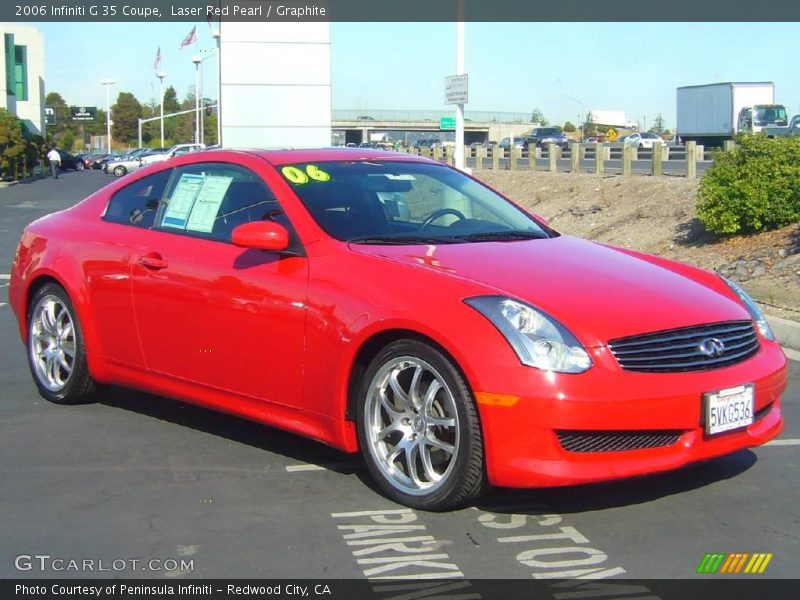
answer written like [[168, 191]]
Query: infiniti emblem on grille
[[711, 347]]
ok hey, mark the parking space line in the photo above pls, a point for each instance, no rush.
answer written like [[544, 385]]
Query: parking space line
[[304, 467], [786, 442], [5, 276], [2, 304]]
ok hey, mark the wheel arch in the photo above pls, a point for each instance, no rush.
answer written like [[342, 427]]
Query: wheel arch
[[371, 347], [77, 297]]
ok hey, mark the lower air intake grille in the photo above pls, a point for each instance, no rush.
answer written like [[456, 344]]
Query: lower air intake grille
[[697, 348], [615, 441]]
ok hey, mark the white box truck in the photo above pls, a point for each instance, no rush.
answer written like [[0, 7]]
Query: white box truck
[[710, 114]]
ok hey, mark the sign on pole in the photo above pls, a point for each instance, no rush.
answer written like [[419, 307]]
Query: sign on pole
[[49, 115], [455, 89], [83, 113], [447, 123]]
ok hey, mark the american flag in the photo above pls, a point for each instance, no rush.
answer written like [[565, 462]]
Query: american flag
[[157, 61], [190, 39], [210, 17]]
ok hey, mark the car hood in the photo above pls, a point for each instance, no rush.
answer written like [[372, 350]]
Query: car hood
[[598, 292]]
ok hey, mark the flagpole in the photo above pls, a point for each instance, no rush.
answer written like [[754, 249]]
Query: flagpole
[[200, 115]]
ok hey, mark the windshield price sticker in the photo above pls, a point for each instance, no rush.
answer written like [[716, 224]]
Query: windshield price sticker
[[299, 177], [180, 203]]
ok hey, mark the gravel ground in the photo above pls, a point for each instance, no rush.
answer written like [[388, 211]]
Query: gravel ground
[[657, 215]]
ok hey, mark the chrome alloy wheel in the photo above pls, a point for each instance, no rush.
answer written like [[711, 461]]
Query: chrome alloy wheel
[[52, 343], [412, 425]]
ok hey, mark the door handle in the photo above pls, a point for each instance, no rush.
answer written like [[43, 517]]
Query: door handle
[[153, 261]]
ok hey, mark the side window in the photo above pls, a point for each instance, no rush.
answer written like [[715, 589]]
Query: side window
[[136, 204], [211, 199]]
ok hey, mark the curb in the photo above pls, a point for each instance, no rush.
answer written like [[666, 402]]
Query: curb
[[7, 184], [787, 332]]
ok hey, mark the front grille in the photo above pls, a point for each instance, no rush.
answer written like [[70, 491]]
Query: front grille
[[679, 350], [615, 441]]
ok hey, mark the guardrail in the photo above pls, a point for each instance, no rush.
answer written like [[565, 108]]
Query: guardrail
[[689, 161]]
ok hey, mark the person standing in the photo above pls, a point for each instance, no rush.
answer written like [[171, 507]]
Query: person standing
[[55, 162]]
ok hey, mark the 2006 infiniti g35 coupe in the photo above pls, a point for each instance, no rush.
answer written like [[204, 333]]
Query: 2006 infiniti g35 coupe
[[391, 304]]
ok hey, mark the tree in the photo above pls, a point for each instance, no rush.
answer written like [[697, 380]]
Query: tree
[[537, 116], [125, 115], [16, 152], [63, 123], [589, 128], [569, 127], [658, 125], [171, 103]]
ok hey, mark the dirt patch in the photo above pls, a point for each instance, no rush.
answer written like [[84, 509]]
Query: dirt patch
[[657, 215]]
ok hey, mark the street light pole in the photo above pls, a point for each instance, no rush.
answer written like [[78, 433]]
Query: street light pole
[[108, 83], [580, 115], [161, 76], [197, 60]]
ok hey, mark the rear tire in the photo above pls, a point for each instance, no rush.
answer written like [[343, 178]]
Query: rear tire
[[119, 171], [56, 349], [79, 166], [418, 428]]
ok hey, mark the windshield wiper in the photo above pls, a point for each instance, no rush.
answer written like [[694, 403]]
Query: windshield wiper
[[503, 236], [403, 239]]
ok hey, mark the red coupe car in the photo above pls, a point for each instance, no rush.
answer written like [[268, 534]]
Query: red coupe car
[[390, 304]]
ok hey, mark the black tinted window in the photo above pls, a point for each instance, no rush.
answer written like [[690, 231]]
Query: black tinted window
[[137, 203]]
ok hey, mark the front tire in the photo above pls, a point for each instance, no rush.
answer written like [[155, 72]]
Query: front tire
[[119, 171], [418, 428], [56, 350]]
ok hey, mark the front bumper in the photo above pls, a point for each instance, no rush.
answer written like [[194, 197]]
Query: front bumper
[[522, 445]]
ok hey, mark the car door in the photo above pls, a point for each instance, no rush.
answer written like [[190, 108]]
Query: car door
[[210, 312], [115, 238]]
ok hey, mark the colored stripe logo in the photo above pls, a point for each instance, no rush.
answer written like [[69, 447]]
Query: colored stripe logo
[[737, 562]]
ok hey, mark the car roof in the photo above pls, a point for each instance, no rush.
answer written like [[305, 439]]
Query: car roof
[[298, 155]]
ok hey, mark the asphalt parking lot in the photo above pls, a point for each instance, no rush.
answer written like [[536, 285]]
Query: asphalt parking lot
[[138, 477]]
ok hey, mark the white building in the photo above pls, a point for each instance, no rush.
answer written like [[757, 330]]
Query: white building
[[22, 75], [275, 84]]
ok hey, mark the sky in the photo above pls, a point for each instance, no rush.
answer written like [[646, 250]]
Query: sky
[[564, 69]]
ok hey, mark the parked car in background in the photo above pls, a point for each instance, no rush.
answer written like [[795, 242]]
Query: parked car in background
[[100, 161], [175, 150], [643, 140], [542, 136], [124, 164], [519, 142], [71, 162], [121, 165], [428, 143], [775, 131]]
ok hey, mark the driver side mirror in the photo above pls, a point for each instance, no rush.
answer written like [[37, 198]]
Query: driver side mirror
[[261, 235]]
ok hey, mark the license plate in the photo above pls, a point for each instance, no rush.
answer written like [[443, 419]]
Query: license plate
[[728, 409]]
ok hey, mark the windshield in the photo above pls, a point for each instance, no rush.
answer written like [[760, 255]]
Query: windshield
[[405, 203], [768, 115]]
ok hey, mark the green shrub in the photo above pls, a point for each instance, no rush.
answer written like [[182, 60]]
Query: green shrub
[[755, 187]]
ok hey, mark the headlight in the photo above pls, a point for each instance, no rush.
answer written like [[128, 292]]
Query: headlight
[[753, 309], [538, 339]]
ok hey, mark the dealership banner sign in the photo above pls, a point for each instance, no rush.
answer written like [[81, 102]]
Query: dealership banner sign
[[260, 11]]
